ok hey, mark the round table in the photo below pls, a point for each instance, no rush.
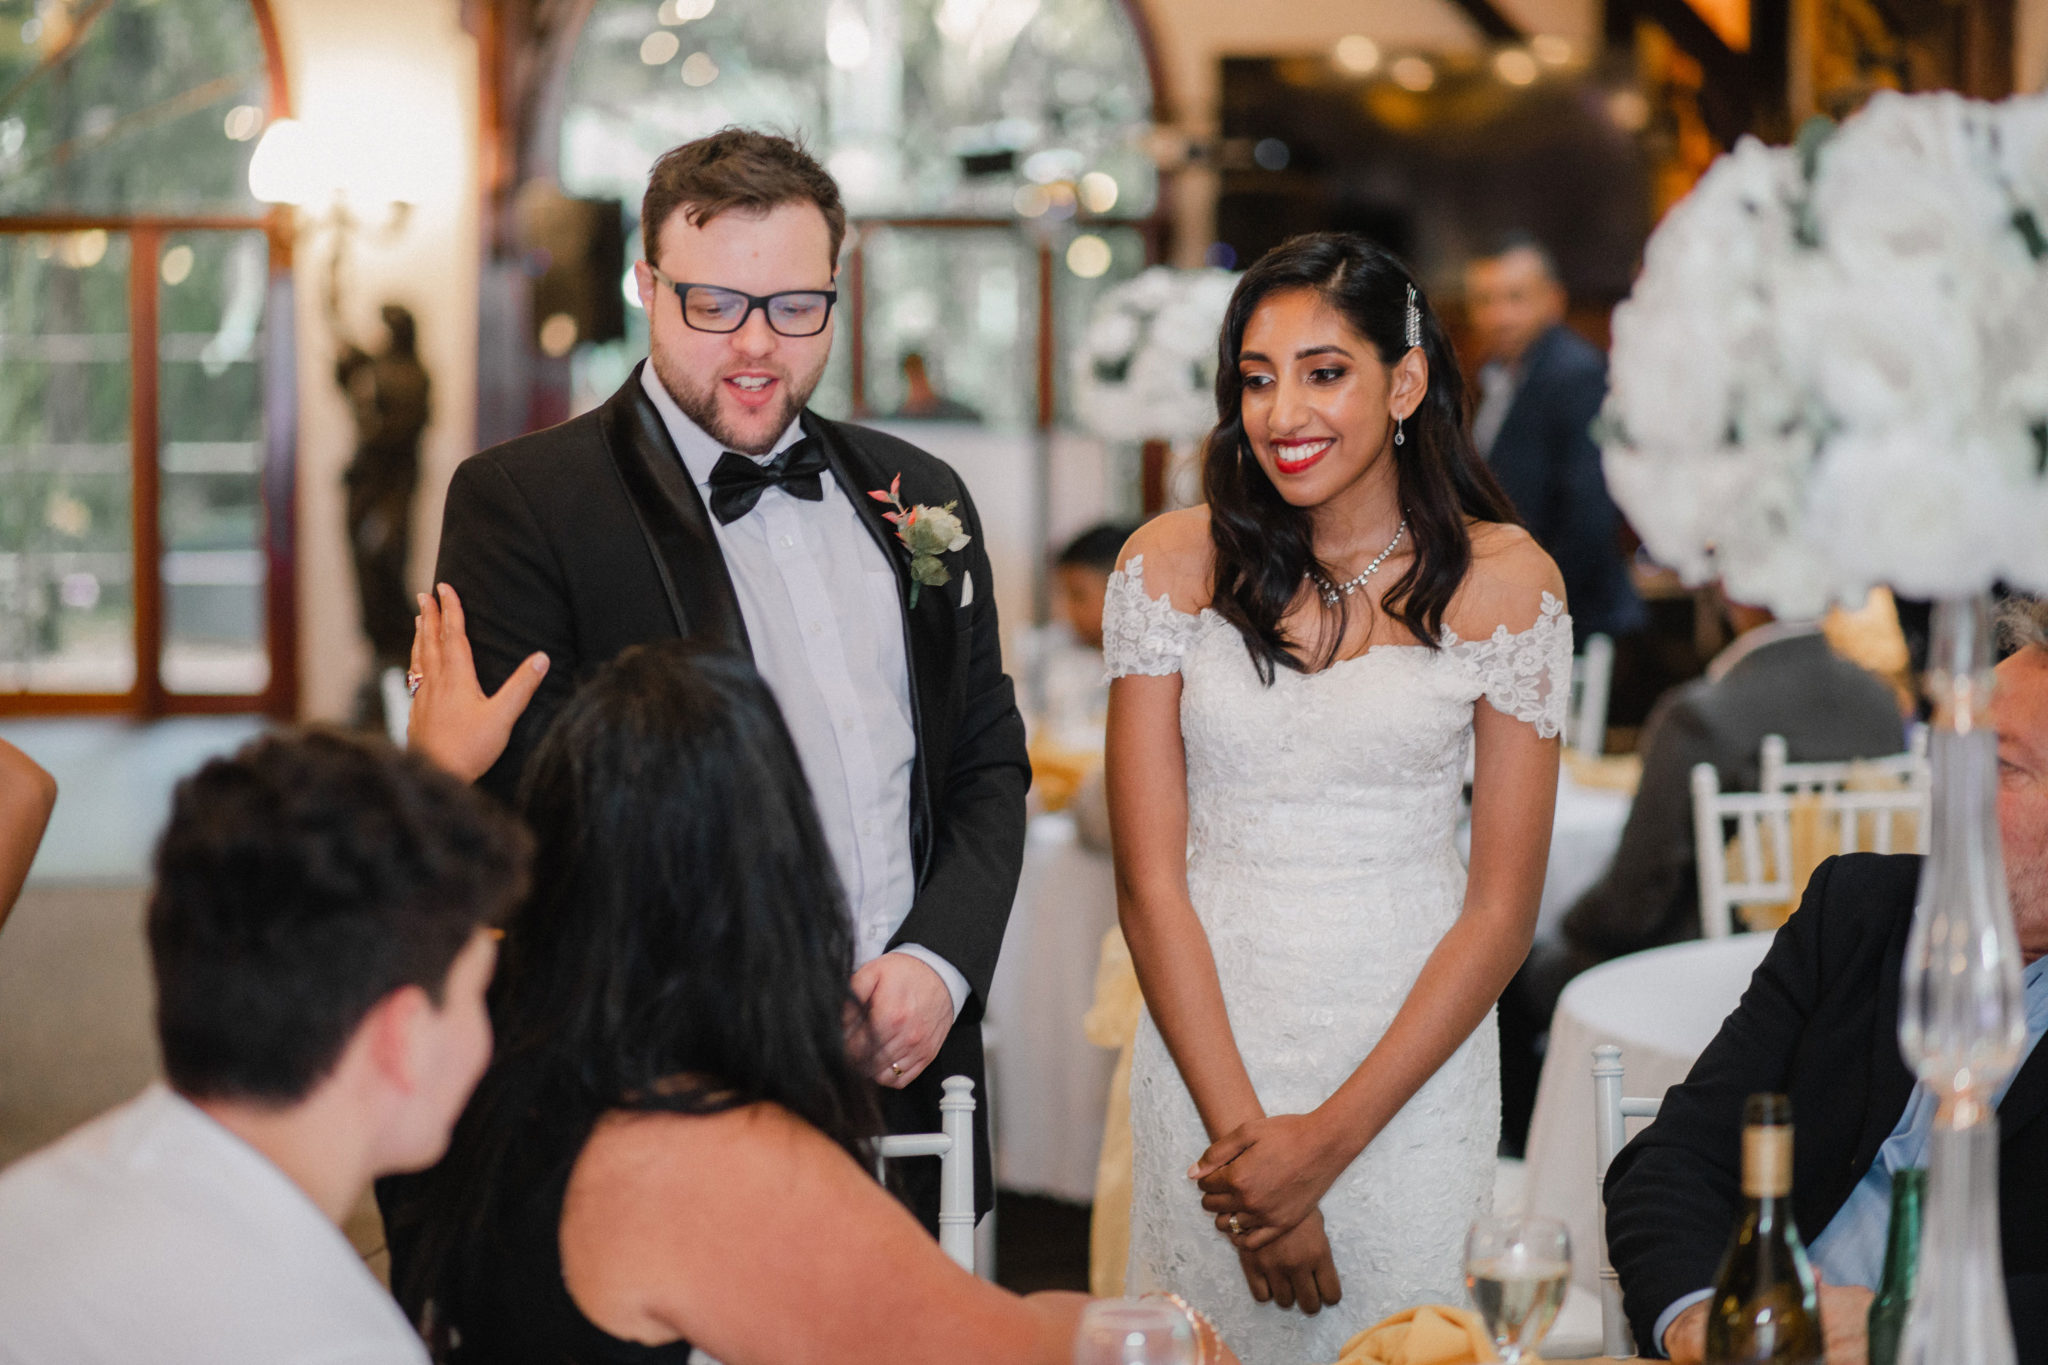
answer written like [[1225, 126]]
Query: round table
[[1661, 1008], [1049, 1085]]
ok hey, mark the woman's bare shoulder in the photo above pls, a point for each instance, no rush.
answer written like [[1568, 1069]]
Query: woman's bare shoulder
[[1510, 578], [1177, 557]]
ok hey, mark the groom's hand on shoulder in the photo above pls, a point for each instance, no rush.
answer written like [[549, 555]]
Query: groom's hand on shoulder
[[909, 1013]]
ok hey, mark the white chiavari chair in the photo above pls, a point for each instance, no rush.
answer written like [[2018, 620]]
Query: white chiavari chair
[[1611, 1112], [1756, 867], [1585, 726], [954, 1147], [1907, 770]]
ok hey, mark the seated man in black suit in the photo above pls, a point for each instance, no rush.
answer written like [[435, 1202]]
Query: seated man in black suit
[[1820, 1023]]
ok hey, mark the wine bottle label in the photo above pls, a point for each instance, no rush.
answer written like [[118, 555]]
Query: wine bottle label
[[1767, 1161]]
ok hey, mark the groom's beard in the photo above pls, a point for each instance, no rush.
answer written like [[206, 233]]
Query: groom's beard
[[698, 398]]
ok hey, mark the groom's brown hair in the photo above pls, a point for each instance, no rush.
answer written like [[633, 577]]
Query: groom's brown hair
[[737, 169]]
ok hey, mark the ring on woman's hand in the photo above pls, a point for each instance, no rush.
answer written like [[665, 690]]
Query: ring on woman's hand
[[1236, 1228], [413, 679], [895, 1068]]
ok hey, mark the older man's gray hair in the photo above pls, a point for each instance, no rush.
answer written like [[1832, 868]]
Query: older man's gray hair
[[2022, 623]]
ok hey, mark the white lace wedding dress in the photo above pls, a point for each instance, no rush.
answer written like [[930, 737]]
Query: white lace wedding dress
[[1322, 862]]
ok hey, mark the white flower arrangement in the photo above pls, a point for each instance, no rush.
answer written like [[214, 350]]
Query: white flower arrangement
[[1833, 370], [1147, 368]]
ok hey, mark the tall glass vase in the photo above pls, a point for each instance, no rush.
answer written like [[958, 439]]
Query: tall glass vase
[[1962, 1018]]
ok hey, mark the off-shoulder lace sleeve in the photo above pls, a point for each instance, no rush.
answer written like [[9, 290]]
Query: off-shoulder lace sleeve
[[1140, 634], [1528, 675]]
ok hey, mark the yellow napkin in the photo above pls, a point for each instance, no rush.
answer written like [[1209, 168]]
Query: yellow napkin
[[1430, 1335]]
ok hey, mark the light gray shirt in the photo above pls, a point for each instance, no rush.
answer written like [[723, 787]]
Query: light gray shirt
[[154, 1234], [1497, 385], [825, 619]]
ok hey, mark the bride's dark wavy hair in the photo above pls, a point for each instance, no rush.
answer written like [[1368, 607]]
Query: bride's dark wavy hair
[[1264, 544]]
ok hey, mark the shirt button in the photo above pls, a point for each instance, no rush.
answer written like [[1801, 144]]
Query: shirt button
[[787, 542], [846, 724], [817, 627]]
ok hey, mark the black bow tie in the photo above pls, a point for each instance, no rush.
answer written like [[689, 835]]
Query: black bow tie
[[738, 482]]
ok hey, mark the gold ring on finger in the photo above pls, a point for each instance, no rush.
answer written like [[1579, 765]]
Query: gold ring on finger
[[1236, 1228]]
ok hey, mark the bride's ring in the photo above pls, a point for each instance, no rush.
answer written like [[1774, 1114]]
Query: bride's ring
[[895, 1068], [1236, 1228], [413, 679]]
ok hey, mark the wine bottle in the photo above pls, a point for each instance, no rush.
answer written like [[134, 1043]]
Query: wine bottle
[[1766, 1306], [1901, 1256]]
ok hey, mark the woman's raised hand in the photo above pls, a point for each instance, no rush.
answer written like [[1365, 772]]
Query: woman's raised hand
[[452, 722]]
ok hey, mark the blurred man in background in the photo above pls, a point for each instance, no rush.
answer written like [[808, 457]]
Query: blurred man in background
[[1541, 386]]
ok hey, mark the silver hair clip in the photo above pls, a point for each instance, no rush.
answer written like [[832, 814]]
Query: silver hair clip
[[1414, 320]]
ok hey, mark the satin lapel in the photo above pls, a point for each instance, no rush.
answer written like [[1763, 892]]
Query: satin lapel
[[928, 629], [673, 520]]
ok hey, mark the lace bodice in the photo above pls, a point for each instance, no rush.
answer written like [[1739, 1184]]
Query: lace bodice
[[1322, 863], [1526, 674]]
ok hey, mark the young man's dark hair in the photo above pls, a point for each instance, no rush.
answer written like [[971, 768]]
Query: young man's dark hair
[[301, 881], [736, 169], [1096, 547]]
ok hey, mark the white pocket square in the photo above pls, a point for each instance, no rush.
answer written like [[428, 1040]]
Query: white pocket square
[[967, 589]]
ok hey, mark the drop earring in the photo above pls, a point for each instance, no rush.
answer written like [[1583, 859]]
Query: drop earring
[[1398, 437]]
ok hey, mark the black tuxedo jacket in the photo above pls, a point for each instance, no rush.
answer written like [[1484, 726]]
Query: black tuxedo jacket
[[590, 536], [1546, 460], [1819, 1023]]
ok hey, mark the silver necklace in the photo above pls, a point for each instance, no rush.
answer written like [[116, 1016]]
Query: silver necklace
[[1331, 591]]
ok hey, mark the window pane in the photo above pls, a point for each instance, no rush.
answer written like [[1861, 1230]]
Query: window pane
[[67, 600], [917, 106], [211, 289], [1074, 294], [958, 304], [152, 105]]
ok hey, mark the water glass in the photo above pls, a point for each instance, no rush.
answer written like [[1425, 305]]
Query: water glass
[[1134, 1332], [1516, 1270]]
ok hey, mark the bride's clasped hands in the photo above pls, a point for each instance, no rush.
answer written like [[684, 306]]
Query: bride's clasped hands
[[1266, 1176]]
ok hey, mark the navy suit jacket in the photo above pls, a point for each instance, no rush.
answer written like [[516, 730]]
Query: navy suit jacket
[[1546, 459]]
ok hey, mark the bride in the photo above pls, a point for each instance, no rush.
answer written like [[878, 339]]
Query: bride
[[1299, 668]]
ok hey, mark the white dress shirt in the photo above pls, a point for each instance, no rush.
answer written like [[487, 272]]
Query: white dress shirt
[[154, 1234], [825, 620]]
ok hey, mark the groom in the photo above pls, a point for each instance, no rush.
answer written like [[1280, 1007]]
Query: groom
[[703, 500]]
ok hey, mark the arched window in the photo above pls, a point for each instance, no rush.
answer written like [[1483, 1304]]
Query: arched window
[[145, 459], [974, 141]]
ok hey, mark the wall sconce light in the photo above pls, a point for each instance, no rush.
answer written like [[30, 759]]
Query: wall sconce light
[[328, 186]]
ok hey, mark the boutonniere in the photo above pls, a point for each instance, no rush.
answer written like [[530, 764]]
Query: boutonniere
[[927, 532]]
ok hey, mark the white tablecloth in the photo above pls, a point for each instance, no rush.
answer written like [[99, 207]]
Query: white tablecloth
[[1662, 1008], [1583, 836], [1050, 1084]]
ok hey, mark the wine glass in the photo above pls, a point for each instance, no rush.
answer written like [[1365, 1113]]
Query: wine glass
[[1516, 1270], [1134, 1332]]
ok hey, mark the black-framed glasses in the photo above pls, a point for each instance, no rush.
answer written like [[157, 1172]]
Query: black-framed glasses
[[714, 308]]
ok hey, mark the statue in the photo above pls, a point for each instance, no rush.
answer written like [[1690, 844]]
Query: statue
[[388, 394]]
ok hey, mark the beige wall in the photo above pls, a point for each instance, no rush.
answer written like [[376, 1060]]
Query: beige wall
[[399, 77], [2030, 47]]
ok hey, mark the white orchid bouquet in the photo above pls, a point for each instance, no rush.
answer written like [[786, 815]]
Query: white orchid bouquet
[[1833, 370], [1147, 368]]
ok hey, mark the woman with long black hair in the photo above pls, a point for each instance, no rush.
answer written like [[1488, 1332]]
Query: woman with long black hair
[[1301, 667], [672, 1145]]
